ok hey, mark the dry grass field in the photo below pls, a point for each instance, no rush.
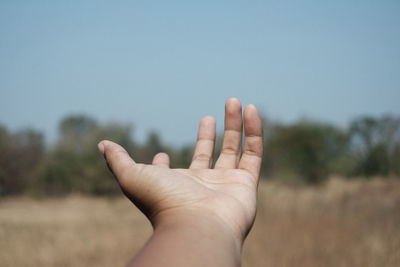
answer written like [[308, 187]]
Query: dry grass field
[[342, 223]]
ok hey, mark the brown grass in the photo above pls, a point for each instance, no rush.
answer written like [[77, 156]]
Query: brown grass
[[343, 223]]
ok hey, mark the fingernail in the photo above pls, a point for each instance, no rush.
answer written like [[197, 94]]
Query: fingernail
[[101, 147], [252, 106]]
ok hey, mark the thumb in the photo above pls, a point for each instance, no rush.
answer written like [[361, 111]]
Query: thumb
[[118, 160]]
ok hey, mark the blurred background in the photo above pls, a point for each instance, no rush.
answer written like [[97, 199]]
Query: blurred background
[[324, 75]]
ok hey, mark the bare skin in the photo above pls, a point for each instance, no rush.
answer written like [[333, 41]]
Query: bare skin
[[200, 215]]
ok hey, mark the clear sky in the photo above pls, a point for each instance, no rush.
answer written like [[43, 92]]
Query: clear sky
[[164, 64]]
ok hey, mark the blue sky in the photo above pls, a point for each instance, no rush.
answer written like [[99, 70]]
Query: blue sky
[[163, 65]]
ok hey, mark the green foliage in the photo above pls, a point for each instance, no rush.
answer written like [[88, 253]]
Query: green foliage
[[181, 158], [301, 152], [152, 146], [20, 153], [306, 149], [74, 164], [376, 145]]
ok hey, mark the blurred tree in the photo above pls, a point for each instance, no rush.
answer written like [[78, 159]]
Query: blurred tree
[[305, 149], [181, 158], [76, 133], [152, 146], [74, 164], [375, 145], [20, 154]]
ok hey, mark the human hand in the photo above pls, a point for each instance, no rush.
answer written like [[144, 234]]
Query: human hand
[[225, 194]]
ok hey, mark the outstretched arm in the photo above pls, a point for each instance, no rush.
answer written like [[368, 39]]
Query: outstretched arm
[[200, 215]]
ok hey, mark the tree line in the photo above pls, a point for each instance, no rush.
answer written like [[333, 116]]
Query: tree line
[[305, 152]]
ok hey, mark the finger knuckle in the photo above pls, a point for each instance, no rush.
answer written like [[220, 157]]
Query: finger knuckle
[[202, 157], [230, 150]]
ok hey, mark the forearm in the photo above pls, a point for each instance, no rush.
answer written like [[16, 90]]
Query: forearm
[[190, 241]]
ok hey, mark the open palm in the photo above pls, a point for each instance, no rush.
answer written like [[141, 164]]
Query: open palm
[[226, 192]]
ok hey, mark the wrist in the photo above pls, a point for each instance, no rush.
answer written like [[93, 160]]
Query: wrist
[[190, 239], [204, 225]]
